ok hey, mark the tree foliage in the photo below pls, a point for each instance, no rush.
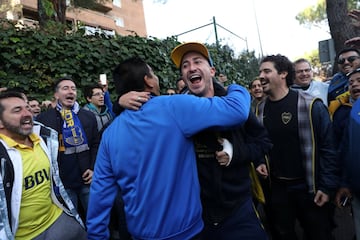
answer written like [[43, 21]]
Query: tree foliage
[[52, 13], [313, 15], [33, 59], [316, 14], [332, 15]]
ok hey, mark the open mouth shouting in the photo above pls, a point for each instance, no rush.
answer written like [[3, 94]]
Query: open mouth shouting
[[70, 99], [355, 93], [195, 79], [26, 123]]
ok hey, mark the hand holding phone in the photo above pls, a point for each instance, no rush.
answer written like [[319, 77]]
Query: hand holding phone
[[103, 79]]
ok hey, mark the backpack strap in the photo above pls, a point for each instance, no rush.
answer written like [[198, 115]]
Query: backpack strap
[[7, 173]]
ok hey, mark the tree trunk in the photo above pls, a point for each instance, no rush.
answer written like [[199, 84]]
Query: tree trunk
[[60, 10], [339, 23], [51, 10], [43, 17]]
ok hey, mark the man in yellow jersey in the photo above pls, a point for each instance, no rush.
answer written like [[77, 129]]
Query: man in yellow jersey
[[33, 201]]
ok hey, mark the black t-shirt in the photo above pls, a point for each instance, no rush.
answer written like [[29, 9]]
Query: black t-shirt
[[281, 121]]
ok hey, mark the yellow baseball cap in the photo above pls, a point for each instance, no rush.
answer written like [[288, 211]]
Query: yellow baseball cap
[[179, 51]]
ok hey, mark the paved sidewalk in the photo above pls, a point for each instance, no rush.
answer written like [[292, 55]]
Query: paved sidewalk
[[345, 229], [343, 220]]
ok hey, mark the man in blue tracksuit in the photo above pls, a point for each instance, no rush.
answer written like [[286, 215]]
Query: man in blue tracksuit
[[150, 155]]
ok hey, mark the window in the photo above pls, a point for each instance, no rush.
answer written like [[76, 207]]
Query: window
[[119, 22], [117, 3]]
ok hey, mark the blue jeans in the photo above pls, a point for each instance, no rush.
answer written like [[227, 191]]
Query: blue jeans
[[79, 195]]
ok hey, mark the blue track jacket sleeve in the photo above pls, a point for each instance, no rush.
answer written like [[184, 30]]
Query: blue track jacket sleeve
[[167, 122], [107, 184], [108, 103], [201, 113]]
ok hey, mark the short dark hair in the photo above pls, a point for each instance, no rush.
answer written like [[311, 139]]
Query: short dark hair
[[9, 94], [32, 99], [16, 89], [251, 83], [88, 90], [59, 80], [282, 64], [345, 50], [129, 75]]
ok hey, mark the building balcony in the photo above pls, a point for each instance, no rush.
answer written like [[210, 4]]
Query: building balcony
[[103, 6]]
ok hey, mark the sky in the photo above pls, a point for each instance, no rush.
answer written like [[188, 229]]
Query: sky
[[264, 26]]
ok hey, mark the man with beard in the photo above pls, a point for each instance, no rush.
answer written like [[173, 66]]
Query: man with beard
[[302, 161], [29, 206], [348, 59]]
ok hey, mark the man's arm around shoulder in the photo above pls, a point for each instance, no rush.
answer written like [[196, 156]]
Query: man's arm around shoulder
[[194, 114]]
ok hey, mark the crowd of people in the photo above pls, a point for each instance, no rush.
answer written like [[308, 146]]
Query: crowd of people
[[210, 160]]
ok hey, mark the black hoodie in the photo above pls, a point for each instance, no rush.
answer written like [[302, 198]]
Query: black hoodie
[[225, 188]]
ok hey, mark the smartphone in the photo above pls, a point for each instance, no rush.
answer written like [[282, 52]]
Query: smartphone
[[344, 201], [103, 79]]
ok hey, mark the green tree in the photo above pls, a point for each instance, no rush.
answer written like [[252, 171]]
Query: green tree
[[51, 10], [52, 13], [314, 16], [332, 16], [55, 10]]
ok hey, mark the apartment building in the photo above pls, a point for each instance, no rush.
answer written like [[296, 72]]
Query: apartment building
[[124, 17]]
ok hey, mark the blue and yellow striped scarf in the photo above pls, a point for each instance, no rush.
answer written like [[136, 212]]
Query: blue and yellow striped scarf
[[74, 137]]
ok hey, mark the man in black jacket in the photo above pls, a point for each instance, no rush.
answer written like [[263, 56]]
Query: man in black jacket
[[226, 186], [303, 166], [78, 140], [226, 196]]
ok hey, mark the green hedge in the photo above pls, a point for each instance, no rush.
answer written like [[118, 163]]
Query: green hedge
[[33, 60]]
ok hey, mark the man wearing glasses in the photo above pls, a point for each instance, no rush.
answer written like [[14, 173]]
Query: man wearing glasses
[[96, 103], [347, 60], [304, 81]]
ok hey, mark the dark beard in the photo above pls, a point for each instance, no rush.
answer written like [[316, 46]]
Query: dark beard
[[16, 130]]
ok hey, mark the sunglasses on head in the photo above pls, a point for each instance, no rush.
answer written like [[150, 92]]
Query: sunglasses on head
[[349, 59]]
